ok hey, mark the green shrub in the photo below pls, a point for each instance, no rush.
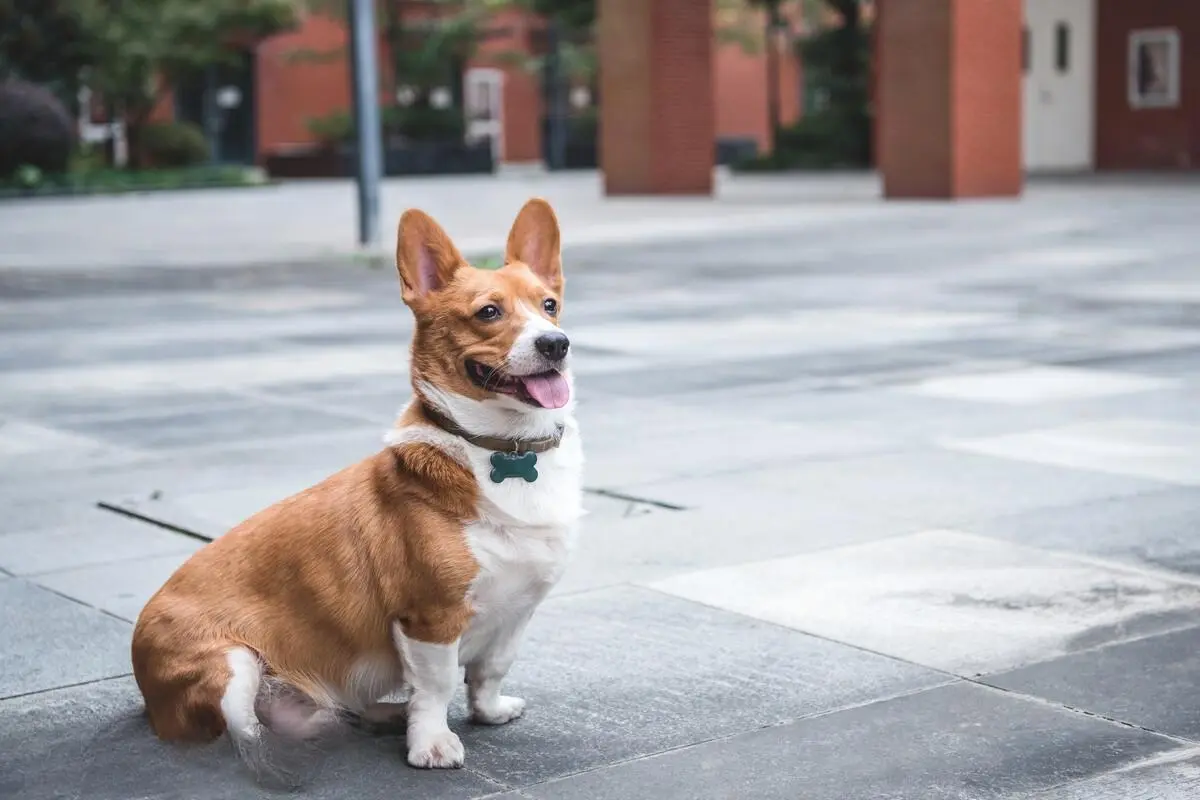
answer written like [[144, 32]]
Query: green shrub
[[424, 123], [332, 128], [174, 144], [35, 130], [420, 123]]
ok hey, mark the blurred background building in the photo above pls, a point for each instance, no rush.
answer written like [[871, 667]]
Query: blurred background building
[[944, 97]]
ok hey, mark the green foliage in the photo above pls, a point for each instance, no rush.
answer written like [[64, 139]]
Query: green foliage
[[35, 129], [114, 181], [573, 15], [44, 42], [837, 62], [141, 48], [418, 123], [423, 54], [27, 176], [174, 144], [332, 128], [836, 132]]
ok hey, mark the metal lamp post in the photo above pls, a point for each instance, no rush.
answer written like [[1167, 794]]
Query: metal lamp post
[[365, 90]]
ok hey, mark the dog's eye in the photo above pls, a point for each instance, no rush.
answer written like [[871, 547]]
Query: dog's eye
[[551, 306], [488, 313]]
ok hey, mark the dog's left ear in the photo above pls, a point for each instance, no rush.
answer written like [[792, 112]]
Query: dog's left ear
[[534, 241], [425, 256]]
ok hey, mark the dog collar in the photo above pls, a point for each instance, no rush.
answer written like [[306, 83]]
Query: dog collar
[[511, 458]]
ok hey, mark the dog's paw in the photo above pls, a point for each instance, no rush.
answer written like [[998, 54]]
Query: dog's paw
[[438, 749], [504, 709]]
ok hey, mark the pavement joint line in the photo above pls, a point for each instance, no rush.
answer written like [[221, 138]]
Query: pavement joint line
[[94, 564], [1086, 558], [980, 679], [506, 793], [1083, 712], [1161, 759], [946, 673], [630, 498], [37, 692], [155, 521], [777, 724], [898, 449], [71, 599]]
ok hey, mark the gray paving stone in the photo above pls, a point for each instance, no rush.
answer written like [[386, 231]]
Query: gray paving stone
[[49, 641], [619, 673], [941, 488], [56, 408], [1168, 777], [208, 427], [735, 528], [1143, 682], [92, 743], [713, 450], [120, 588], [959, 742], [114, 538], [1158, 529], [964, 604]]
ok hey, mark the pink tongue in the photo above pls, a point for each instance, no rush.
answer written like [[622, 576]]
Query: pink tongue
[[549, 390]]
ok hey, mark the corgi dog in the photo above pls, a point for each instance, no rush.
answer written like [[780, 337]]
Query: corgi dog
[[425, 559]]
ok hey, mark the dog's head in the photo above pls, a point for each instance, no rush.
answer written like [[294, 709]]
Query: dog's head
[[488, 335]]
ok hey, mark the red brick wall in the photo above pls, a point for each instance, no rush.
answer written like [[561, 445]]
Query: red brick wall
[[949, 97], [657, 127], [740, 78], [290, 93], [1147, 138], [986, 96]]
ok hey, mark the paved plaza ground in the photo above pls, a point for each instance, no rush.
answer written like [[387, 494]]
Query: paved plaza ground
[[887, 500]]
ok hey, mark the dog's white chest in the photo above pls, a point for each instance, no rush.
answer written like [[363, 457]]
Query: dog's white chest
[[517, 567]]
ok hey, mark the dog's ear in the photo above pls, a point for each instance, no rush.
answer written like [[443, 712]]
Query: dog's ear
[[534, 241], [425, 256]]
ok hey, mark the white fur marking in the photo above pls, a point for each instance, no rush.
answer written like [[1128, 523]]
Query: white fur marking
[[515, 573], [237, 703], [523, 356], [432, 671]]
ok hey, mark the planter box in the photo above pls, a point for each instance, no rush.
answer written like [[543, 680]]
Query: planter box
[[308, 162], [429, 158], [731, 149], [583, 152], [412, 158]]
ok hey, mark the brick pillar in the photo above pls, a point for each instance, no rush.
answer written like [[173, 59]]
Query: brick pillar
[[657, 115], [950, 98]]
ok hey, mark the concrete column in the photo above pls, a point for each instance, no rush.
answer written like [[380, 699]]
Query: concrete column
[[949, 114], [657, 115]]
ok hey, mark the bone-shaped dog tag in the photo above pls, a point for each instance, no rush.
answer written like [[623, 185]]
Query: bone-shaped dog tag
[[514, 465]]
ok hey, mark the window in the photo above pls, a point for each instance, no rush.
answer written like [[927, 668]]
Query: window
[[1153, 68], [1062, 47]]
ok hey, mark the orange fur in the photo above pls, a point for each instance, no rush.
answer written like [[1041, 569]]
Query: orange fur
[[314, 583]]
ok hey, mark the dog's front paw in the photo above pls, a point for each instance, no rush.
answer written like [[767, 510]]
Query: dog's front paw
[[503, 709], [437, 749]]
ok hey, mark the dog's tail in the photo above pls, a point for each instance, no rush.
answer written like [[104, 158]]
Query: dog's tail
[[276, 729]]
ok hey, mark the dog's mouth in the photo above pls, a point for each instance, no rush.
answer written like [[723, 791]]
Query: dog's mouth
[[547, 389]]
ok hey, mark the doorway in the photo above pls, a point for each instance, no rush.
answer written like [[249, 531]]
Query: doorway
[[221, 101], [483, 96], [1058, 61]]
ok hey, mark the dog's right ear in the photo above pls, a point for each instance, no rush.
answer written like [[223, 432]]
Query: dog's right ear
[[425, 256]]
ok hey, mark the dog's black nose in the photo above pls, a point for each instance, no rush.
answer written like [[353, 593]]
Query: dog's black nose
[[553, 345]]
